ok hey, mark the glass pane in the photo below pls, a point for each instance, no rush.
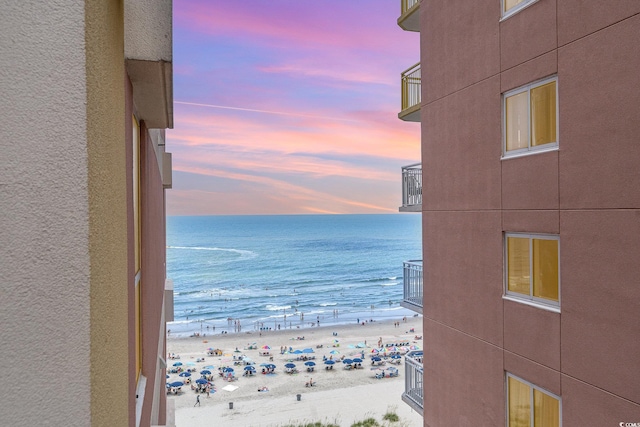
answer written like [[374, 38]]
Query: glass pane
[[546, 410], [518, 265], [543, 114], [545, 269], [517, 121], [519, 404], [508, 4]]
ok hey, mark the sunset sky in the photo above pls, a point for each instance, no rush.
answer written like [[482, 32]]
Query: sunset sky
[[289, 107]]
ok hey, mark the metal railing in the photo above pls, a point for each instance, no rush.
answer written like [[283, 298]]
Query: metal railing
[[405, 5], [412, 285], [410, 83], [412, 185], [414, 374]]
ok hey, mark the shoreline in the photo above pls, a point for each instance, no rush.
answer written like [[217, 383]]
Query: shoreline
[[210, 328], [348, 395]]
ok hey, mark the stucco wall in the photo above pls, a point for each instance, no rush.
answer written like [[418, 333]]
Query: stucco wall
[[44, 234], [108, 212]]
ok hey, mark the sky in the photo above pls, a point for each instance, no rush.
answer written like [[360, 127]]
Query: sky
[[289, 107]]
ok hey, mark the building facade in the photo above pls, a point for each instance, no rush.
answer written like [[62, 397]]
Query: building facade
[[86, 96], [531, 220]]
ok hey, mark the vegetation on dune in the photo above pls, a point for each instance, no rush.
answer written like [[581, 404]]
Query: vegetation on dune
[[389, 419]]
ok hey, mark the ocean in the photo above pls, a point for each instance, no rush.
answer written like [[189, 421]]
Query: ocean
[[287, 271]]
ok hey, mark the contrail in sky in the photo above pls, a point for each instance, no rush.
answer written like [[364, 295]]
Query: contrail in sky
[[224, 107]]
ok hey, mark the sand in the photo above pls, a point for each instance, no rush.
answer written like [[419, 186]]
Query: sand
[[338, 395]]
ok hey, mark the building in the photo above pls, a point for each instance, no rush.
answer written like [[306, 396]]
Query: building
[[86, 96], [531, 222]]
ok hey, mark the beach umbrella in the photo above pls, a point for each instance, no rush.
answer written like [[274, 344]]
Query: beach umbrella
[[265, 364], [329, 362], [270, 366], [249, 368], [177, 384], [307, 350], [290, 365], [396, 356], [177, 364], [201, 381], [185, 374], [205, 372], [310, 363], [357, 360], [376, 359], [334, 352], [265, 347], [227, 369], [347, 361]]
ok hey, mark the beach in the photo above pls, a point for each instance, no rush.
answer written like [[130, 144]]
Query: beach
[[338, 395]]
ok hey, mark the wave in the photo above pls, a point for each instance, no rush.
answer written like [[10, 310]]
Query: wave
[[205, 248], [327, 304], [277, 307], [390, 284]]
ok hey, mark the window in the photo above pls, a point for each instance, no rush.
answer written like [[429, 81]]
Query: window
[[510, 7], [530, 119], [532, 268], [530, 406]]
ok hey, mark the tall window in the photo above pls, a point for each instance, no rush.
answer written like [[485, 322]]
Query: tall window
[[530, 406], [530, 118], [509, 7], [137, 243], [532, 268]]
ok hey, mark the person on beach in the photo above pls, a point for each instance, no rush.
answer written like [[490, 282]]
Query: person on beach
[[197, 401]]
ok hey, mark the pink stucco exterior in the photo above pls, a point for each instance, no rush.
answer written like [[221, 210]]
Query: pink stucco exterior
[[587, 192]]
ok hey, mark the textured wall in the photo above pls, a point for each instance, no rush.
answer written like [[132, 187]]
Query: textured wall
[[108, 208], [44, 235]]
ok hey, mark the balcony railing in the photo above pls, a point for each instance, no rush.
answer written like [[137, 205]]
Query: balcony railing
[[412, 285], [411, 94], [411, 188], [409, 19], [414, 373]]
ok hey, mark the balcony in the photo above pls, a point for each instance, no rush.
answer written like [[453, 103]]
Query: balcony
[[409, 15], [411, 188], [412, 285], [413, 392], [411, 95]]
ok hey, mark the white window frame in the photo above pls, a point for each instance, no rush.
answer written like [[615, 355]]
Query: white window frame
[[552, 146], [506, 14], [533, 387], [530, 299]]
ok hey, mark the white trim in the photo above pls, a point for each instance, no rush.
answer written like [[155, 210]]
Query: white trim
[[515, 9], [530, 149], [140, 390], [530, 300], [531, 403]]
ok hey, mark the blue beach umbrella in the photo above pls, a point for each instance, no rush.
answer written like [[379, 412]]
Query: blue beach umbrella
[[177, 364], [376, 359], [329, 362], [290, 365], [396, 356], [185, 374], [334, 352], [347, 361], [249, 368], [310, 363], [177, 384], [357, 360], [201, 381], [270, 366], [227, 369], [167, 376], [205, 372]]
